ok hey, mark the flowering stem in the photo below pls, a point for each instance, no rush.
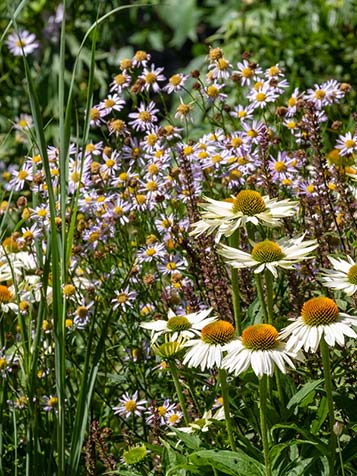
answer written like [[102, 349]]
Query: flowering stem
[[222, 375], [237, 308], [263, 423], [180, 395], [269, 286], [258, 281], [331, 414]]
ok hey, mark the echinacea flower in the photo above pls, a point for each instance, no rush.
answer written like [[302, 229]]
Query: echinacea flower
[[259, 347], [270, 254], [320, 318], [183, 326], [207, 352], [343, 277], [224, 217], [130, 405]]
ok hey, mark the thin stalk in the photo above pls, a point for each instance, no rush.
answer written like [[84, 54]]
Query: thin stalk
[[222, 375], [325, 354], [270, 297], [180, 395], [237, 308], [340, 456], [263, 423], [259, 284]]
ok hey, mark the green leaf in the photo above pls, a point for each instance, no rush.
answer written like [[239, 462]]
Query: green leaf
[[304, 391], [308, 436], [235, 463], [191, 441], [320, 416]]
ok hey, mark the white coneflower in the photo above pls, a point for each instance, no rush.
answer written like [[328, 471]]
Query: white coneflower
[[259, 347], [343, 276], [207, 352], [270, 254], [182, 326], [320, 318], [224, 217]]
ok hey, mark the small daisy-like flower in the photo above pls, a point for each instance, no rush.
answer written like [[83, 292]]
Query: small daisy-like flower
[[173, 417], [248, 72], [347, 144], [343, 276], [124, 299], [320, 318], [259, 347], [22, 43], [160, 412], [50, 404], [261, 97], [270, 254], [130, 405], [183, 111], [247, 207], [183, 326], [176, 83], [151, 78], [207, 352], [120, 82], [145, 117]]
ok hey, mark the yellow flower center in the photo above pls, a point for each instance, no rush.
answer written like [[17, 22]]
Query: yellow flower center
[[319, 311], [236, 142], [5, 294], [218, 332], [178, 323], [173, 418], [140, 55], [52, 402], [20, 43], [349, 143], [260, 97], [212, 91], [122, 298], [175, 80], [273, 71], [161, 410], [150, 78], [144, 116], [94, 114], [130, 405], [126, 63], [110, 163], [215, 54], [82, 312], [310, 188], [291, 101], [69, 290], [267, 252], [352, 274], [320, 94], [248, 202], [117, 125], [109, 103], [3, 363], [222, 64], [119, 79], [22, 174], [280, 166], [247, 72], [260, 337], [252, 133], [140, 199], [183, 109]]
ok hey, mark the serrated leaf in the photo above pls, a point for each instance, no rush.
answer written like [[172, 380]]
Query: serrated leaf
[[235, 463], [304, 391]]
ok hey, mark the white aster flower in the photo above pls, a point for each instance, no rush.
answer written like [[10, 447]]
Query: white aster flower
[[270, 254], [320, 318], [187, 326], [130, 405], [343, 277], [22, 43], [207, 352], [259, 347], [224, 217]]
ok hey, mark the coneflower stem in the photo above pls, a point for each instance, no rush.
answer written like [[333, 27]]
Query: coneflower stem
[[180, 395], [237, 308], [325, 355], [270, 297], [263, 423], [222, 375]]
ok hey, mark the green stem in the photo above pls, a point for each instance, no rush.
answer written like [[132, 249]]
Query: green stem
[[325, 354], [258, 282], [237, 308], [340, 456], [263, 423], [222, 375], [270, 298], [180, 395]]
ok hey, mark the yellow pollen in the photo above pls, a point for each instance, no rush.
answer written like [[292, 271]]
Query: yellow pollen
[[52, 402], [215, 54], [320, 94], [252, 133], [310, 188], [109, 103], [150, 252], [236, 142], [291, 125], [260, 337], [292, 101], [173, 418], [218, 333], [260, 97], [258, 85], [82, 312], [130, 405], [94, 114], [140, 55], [280, 166], [69, 290], [152, 139], [212, 91], [183, 109], [175, 80], [248, 202], [161, 410], [120, 79], [117, 125], [222, 64], [319, 311], [150, 78], [171, 266], [20, 43], [216, 159], [151, 186], [110, 163], [144, 116], [123, 177], [273, 71], [247, 72], [140, 199], [187, 150], [122, 298], [153, 169], [126, 63], [349, 143]]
